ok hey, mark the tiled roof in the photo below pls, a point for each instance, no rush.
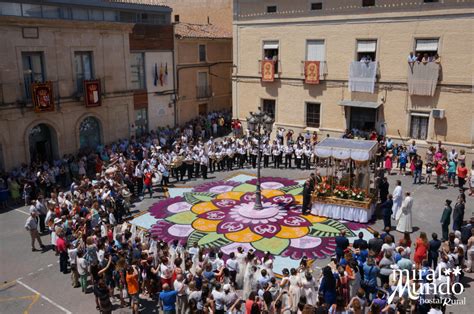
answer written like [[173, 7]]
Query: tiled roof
[[186, 30]]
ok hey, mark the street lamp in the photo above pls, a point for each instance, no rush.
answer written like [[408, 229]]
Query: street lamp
[[256, 123]]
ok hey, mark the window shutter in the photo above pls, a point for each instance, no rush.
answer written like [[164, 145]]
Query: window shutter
[[315, 50], [427, 45], [366, 45]]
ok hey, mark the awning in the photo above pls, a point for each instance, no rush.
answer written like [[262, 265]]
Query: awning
[[270, 45], [360, 104], [366, 45], [426, 45], [341, 148]]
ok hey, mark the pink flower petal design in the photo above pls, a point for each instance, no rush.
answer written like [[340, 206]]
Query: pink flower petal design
[[310, 247], [216, 186], [160, 210]]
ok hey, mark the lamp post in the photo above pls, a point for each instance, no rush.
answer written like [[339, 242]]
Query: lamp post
[[256, 123]]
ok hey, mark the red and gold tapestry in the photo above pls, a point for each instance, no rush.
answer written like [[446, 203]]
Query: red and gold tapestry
[[42, 96], [268, 71], [92, 93], [311, 72]]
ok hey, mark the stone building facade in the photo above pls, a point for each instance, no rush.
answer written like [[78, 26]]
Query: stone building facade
[[66, 42], [338, 33], [203, 58]]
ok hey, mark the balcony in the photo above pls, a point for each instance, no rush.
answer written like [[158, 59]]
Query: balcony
[[423, 78], [203, 92], [363, 75]]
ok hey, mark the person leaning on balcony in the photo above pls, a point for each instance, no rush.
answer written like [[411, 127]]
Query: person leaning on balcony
[[426, 59], [437, 58], [411, 57]]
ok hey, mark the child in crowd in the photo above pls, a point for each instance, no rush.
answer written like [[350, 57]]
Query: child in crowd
[[429, 172]]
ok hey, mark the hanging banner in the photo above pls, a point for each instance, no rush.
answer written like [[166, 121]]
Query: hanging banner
[[92, 93], [268, 70], [42, 96], [311, 72]]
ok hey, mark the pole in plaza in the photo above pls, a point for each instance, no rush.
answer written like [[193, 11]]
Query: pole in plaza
[[259, 124]]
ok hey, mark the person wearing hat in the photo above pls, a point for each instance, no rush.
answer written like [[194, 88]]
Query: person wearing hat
[[32, 226], [446, 219]]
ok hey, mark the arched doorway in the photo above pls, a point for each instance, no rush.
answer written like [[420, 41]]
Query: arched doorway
[[90, 133], [43, 143]]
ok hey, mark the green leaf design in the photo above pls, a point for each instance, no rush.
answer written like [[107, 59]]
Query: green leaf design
[[183, 218], [244, 188], [273, 245], [195, 236], [293, 189], [208, 239], [329, 228], [198, 197]]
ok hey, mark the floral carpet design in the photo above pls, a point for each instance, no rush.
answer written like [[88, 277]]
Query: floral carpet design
[[221, 215]]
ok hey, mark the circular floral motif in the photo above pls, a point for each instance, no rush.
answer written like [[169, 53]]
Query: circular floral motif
[[221, 214]]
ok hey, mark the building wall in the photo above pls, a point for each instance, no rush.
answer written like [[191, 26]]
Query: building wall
[[395, 34], [198, 11], [58, 40], [218, 66], [160, 98]]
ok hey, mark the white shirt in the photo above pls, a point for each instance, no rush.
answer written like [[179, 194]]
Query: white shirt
[[219, 299], [232, 265]]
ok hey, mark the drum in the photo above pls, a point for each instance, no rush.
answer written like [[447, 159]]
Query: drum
[[157, 176], [176, 163]]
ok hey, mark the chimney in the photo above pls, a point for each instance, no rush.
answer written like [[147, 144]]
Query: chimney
[[176, 18]]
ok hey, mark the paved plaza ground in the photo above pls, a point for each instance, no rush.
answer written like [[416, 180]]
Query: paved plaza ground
[[31, 281]]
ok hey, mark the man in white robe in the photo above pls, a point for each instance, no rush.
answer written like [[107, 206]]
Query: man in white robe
[[404, 215], [397, 199]]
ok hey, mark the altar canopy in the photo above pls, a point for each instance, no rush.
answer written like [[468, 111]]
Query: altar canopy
[[341, 148]]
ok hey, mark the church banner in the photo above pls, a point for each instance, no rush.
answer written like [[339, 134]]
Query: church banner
[[311, 72], [42, 96], [92, 93], [268, 71]]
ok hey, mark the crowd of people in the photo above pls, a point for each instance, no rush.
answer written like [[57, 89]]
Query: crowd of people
[[83, 201]]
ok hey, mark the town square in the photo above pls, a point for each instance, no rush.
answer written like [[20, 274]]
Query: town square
[[245, 156]]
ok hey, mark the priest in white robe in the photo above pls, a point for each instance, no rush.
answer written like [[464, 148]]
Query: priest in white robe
[[404, 215], [397, 199]]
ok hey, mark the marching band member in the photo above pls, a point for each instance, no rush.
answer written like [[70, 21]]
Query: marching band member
[[204, 162], [212, 158], [165, 179], [299, 156], [230, 157], [267, 151], [276, 151], [307, 156], [288, 151], [253, 155]]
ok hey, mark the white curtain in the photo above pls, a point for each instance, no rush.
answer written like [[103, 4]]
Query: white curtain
[[315, 50]]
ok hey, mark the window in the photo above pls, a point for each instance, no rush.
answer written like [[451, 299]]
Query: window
[[80, 14], [203, 85], [270, 52], [31, 10], [83, 68], [313, 111], [128, 17], [10, 9], [315, 50], [269, 107], [316, 6], [50, 12], [96, 15], [426, 46], [271, 9], [419, 125], [202, 53], [176, 18], [110, 16], [368, 3], [138, 70], [65, 13], [33, 70], [366, 50], [430, 1]]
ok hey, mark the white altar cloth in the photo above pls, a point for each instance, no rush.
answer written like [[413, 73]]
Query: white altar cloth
[[343, 212]]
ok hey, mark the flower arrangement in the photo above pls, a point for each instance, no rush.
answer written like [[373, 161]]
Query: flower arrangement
[[323, 189], [342, 192], [357, 194]]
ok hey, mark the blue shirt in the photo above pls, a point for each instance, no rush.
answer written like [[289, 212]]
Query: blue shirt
[[169, 300], [370, 274]]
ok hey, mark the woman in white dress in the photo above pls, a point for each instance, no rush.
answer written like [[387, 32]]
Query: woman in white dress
[[267, 264], [309, 288], [250, 277], [241, 259], [404, 215], [295, 289]]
